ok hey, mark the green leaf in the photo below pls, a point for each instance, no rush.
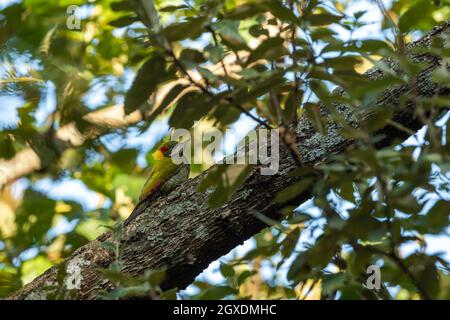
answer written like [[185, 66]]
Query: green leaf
[[378, 120], [95, 178], [47, 41], [131, 185], [122, 6], [227, 179], [258, 89], [352, 133], [217, 293], [9, 281], [125, 159], [424, 269], [365, 227], [168, 100], [290, 108], [230, 35], [227, 270], [245, 11], [108, 245], [300, 269], [322, 19], [244, 276], [190, 29], [346, 190], [429, 278], [333, 282], [169, 294], [214, 53], [147, 79], [289, 243], [155, 277], [321, 91], [190, 108], [34, 216], [192, 56], [281, 12], [257, 30], [124, 21], [271, 49], [173, 8], [361, 259], [321, 254], [314, 115], [373, 46], [7, 150], [441, 75], [293, 191], [32, 268], [373, 88], [419, 11], [438, 215]]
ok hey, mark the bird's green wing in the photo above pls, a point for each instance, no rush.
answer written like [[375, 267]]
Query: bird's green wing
[[161, 171]]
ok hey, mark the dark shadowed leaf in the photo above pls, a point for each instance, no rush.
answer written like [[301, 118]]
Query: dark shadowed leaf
[[226, 179], [313, 113], [230, 35], [122, 6], [125, 159], [244, 276], [168, 100], [412, 17], [173, 8], [291, 105], [260, 88], [227, 270], [439, 214], [289, 243], [270, 49], [147, 79], [378, 120], [281, 12], [322, 19], [245, 11], [332, 282], [7, 150], [190, 29], [124, 21], [293, 191], [217, 292], [190, 108]]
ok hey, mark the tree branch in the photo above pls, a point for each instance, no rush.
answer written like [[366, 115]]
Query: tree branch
[[180, 233]]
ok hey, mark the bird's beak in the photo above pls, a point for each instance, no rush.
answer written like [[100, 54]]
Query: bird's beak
[[158, 155]]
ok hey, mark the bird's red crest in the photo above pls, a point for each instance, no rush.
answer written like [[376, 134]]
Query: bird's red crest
[[163, 149]]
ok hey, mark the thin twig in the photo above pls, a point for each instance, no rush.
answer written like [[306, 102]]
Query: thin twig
[[216, 43], [296, 100]]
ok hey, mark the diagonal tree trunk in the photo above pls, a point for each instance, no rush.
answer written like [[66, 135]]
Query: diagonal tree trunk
[[180, 233]]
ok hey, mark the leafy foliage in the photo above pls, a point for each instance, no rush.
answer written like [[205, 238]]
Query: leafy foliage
[[213, 61]]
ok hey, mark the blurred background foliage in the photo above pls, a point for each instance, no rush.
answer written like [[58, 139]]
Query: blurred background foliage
[[223, 64]]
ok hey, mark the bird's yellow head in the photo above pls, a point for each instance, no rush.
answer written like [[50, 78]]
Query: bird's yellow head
[[164, 151]]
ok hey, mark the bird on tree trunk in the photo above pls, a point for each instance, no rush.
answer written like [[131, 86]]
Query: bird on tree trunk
[[164, 177]]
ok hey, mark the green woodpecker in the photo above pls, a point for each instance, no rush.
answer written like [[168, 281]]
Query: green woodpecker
[[164, 177]]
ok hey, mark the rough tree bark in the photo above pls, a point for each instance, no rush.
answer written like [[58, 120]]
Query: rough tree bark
[[181, 233]]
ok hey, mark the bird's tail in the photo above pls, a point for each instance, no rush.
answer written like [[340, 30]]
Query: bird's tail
[[139, 208]]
